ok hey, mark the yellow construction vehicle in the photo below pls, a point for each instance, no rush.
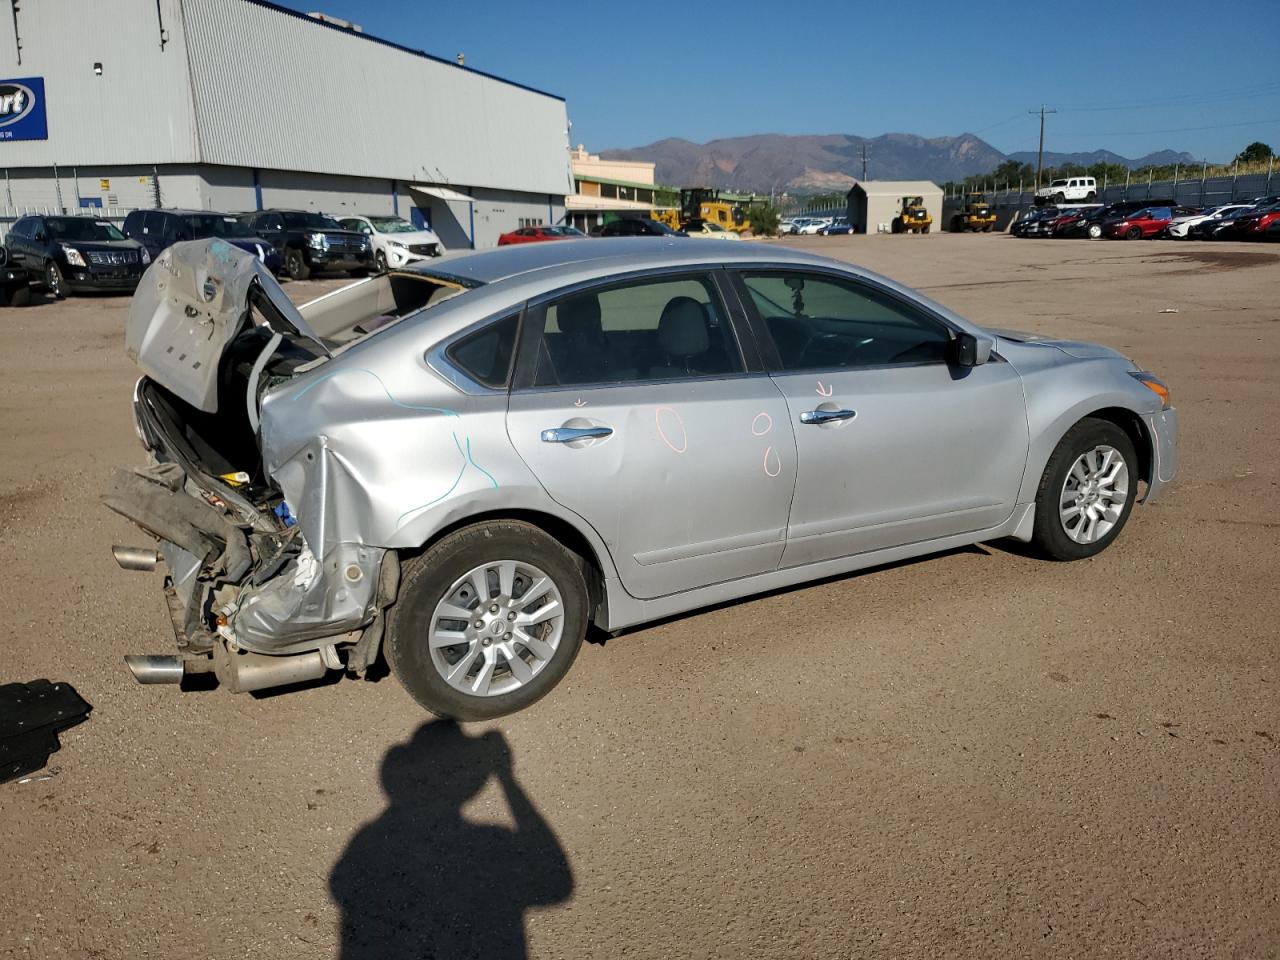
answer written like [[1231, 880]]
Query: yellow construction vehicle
[[705, 203], [978, 215], [914, 217]]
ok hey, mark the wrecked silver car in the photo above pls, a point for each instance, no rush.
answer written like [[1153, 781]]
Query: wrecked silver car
[[463, 464]]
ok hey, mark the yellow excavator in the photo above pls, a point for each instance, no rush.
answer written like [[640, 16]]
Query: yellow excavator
[[705, 203], [914, 218], [978, 215]]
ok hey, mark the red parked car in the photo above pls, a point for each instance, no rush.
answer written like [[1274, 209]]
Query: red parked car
[[1148, 222], [538, 234], [1057, 226], [1254, 226]]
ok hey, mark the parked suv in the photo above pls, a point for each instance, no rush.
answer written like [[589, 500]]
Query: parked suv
[[73, 254], [636, 227], [159, 229], [1068, 188], [396, 242], [311, 242], [15, 288]]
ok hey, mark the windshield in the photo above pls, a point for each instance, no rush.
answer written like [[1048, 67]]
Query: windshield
[[1058, 183], [563, 231], [309, 221], [392, 225], [205, 225], [81, 228]]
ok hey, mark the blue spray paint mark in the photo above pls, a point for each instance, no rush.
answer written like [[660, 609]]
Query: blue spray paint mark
[[407, 406], [467, 459]]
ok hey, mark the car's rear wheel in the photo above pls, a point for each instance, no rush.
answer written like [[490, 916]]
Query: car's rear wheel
[[1086, 492], [295, 265], [1095, 231], [488, 620], [1133, 233], [54, 282], [380, 262]]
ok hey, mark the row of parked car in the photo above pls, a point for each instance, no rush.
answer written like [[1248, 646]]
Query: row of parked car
[[808, 226], [622, 227], [70, 254], [1255, 219]]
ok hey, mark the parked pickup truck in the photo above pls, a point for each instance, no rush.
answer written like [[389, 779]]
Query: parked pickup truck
[[311, 242]]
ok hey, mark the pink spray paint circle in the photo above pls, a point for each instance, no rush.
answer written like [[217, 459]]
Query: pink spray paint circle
[[761, 425], [674, 427], [772, 462]]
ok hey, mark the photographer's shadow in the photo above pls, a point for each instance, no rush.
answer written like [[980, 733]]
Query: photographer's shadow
[[423, 882]]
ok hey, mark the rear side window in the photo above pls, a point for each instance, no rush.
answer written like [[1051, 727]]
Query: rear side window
[[670, 329], [820, 323], [486, 355]]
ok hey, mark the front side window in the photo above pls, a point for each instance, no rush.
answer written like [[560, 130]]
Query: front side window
[[82, 228], [820, 323], [306, 220], [649, 330]]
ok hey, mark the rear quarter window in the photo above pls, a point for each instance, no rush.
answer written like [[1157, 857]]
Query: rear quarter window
[[485, 356]]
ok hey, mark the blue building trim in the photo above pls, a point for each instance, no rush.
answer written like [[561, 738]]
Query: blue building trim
[[257, 190], [395, 199], [471, 208]]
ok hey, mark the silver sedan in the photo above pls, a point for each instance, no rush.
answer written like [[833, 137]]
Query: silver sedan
[[465, 464]]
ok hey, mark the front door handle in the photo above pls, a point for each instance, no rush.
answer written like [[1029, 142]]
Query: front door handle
[[820, 417], [569, 434]]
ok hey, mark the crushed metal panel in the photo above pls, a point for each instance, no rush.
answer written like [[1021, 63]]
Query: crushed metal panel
[[190, 304]]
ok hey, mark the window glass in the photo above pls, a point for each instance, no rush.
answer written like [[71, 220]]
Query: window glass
[[820, 322], [651, 330], [486, 355]]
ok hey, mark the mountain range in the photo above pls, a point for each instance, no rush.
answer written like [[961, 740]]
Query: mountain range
[[831, 162]]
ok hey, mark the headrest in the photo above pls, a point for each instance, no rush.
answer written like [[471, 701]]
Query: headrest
[[682, 329], [580, 316]]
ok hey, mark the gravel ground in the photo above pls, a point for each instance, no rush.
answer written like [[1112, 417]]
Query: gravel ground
[[979, 754]]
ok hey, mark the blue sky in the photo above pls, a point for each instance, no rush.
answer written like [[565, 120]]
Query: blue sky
[[1145, 76]]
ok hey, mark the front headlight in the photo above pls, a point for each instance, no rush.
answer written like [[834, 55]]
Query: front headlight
[[316, 240], [395, 243], [74, 257], [1154, 384]]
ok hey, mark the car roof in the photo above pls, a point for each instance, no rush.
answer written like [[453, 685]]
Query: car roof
[[593, 257]]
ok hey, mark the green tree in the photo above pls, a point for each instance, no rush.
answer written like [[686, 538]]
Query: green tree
[[763, 219], [1256, 152]]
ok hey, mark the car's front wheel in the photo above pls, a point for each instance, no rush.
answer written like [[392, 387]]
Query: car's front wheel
[[1095, 231], [488, 620], [54, 282], [1086, 492], [295, 265], [380, 262]]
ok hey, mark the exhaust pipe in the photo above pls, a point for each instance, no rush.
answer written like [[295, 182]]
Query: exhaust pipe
[[136, 558], [244, 672], [154, 668]]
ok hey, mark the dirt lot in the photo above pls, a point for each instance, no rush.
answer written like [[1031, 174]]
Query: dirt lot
[[976, 755]]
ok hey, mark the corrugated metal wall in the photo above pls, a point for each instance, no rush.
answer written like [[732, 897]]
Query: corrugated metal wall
[[275, 91], [138, 111]]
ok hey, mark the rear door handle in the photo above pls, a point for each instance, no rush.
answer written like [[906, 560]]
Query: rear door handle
[[569, 434], [820, 417]]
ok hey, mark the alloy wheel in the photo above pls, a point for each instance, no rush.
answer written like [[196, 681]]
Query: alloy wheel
[[496, 628], [1094, 494]]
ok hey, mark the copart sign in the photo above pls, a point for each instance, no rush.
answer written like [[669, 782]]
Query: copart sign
[[22, 114]]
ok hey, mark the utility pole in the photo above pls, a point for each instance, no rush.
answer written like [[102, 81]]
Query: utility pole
[[1040, 156], [864, 161]]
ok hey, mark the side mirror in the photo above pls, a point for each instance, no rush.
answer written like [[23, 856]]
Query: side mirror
[[970, 350], [40, 237]]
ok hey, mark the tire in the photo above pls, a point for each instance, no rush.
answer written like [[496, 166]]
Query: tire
[[295, 265], [1090, 197], [54, 281], [380, 262], [925, 228], [1133, 233], [1095, 231], [1059, 199], [441, 577], [986, 227], [1053, 534], [896, 225]]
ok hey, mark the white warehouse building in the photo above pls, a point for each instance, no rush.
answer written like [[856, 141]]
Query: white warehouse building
[[238, 105]]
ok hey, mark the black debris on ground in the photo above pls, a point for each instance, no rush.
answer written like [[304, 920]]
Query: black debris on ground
[[31, 714]]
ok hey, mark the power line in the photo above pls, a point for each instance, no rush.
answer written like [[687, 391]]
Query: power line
[[1143, 133], [1186, 99]]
